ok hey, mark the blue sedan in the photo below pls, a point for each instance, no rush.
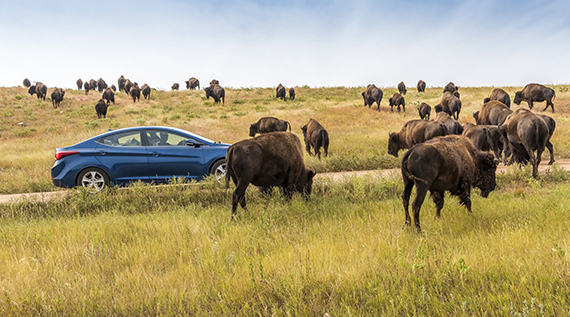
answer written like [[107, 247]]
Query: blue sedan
[[148, 154]]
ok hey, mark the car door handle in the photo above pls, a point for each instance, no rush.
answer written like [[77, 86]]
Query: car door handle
[[154, 153], [102, 152]]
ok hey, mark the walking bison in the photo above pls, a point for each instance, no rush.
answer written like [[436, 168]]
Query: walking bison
[[316, 136], [499, 95], [424, 111], [402, 88], [371, 95], [397, 100], [421, 86], [535, 93]]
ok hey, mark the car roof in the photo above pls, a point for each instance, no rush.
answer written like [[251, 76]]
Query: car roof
[[193, 135]]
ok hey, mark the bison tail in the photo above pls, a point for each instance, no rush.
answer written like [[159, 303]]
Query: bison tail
[[289, 124], [228, 167], [325, 139], [405, 171]]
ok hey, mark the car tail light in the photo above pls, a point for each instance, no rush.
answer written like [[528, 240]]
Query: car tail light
[[62, 154]]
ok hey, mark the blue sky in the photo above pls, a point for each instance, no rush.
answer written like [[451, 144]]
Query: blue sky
[[249, 43]]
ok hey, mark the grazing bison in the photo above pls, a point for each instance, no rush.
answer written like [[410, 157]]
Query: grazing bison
[[449, 163], [101, 108], [535, 93], [217, 92], [424, 110], [414, 132], [57, 96], [402, 88], [453, 127], [421, 86], [41, 91], [175, 86], [272, 159], [192, 83], [451, 104], [27, 83], [484, 137], [397, 100], [146, 91], [316, 136], [493, 113], [371, 95], [32, 90], [499, 95], [526, 132], [292, 93], [280, 92], [109, 96], [450, 87], [92, 84], [121, 82], [268, 124], [87, 87], [135, 93]]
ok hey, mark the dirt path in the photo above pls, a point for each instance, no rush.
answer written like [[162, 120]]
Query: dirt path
[[337, 176]]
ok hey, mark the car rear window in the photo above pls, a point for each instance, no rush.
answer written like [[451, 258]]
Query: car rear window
[[130, 138]]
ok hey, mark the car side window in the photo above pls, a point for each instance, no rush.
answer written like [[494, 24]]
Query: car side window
[[165, 138], [131, 138]]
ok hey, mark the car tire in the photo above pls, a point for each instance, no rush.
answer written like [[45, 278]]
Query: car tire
[[93, 179], [219, 170]]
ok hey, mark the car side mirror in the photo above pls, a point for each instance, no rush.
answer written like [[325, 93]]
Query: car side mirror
[[192, 143]]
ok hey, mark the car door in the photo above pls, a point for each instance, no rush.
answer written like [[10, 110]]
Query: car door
[[124, 156], [169, 156]]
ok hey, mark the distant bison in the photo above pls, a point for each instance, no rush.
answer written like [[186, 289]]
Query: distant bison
[[146, 91], [450, 87], [402, 88], [87, 87], [41, 91], [114, 88], [316, 136], [397, 100], [192, 83], [280, 92], [101, 85], [268, 124], [121, 82], [217, 92], [57, 97], [101, 108], [79, 84], [214, 82], [135, 93], [92, 84], [109, 96], [424, 111], [499, 95], [414, 132], [268, 160], [175, 86], [27, 83], [453, 127], [493, 113], [535, 93], [451, 104], [449, 163], [371, 95], [292, 93], [421, 86]]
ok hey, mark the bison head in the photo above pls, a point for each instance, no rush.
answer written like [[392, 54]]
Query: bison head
[[486, 180], [476, 115], [518, 98], [486, 100], [304, 129], [304, 184], [252, 130], [438, 108], [32, 90], [208, 91], [393, 144]]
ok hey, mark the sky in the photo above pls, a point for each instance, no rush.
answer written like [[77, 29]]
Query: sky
[[256, 43]]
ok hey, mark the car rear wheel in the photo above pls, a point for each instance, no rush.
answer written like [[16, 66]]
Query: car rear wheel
[[93, 179], [218, 169]]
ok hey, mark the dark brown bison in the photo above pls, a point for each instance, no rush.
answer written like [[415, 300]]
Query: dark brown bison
[[101, 85], [121, 82], [32, 90], [523, 158], [316, 136], [27, 83], [449, 163], [217, 92], [114, 88], [493, 113], [421, 86], [214, 82], [414, 132], [79, 84], [453, 127], [128, 85], [193, 83], [424, 111], [397, 100], [535, 93], [499, 95], [371, 95], [451, 104], [402, 88], [109, 96], [175, 86], [280, 92], [57, 96], [41, 91], [526, 132], [87, 87], [292, 93], [450, 87], [92, 84], [146, 91], [484, 137], [268, 160], [268, 124], [135, 93], [101, 108]]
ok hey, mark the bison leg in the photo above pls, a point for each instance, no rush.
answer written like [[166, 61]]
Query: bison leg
[[551, 150], [549, 104], [239, 197], [465, 199], [437, 198], [308, 147], [530, 104], [408, 185], [421, 191]]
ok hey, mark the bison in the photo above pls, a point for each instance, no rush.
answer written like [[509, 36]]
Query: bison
[[268, 124], [175, 86], [87, 87], [493, 113], [101, 85], [135, 93], [450, 104], [316, 136], [402, 88], [79, 84], [214, 82], [424, 111], [146, 91], [32, 90], [397, 100], [41, 91], [27, 83], [57, 96], [128, 85], [217, 92], [485, 137], [535, 93], [450, 87], [421, 86], [271, 159], [280, 92], [121, 82], [371, 95], [92, 84], [499, 95], [292, 93], [114, 88], [192, 83], [414, 132], [101, 108], [450, 163], [109, 96], [453, 127]]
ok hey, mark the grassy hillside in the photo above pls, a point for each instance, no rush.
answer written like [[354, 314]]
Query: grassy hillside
[[31, 129]]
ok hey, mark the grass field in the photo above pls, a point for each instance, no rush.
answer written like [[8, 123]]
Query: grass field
[[172, 250]]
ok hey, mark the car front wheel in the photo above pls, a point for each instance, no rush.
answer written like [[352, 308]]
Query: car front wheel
[[218, 169], [93, 179]]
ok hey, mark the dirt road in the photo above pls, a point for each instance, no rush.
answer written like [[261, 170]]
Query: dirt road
[[47, 196]]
